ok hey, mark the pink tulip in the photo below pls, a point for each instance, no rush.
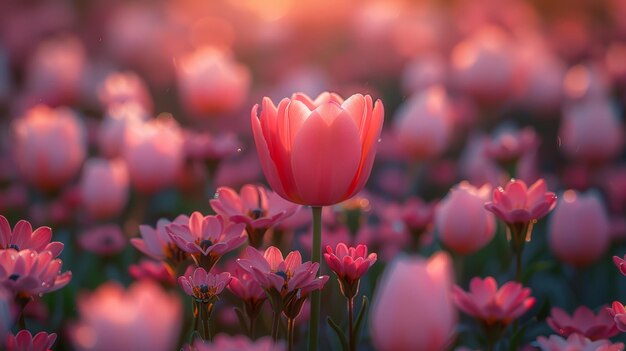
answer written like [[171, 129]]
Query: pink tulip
[[203, 286], [591, 131], [49, 146], [423, 124], [462, 223], [25, 341], [579, 229], [104, 187], [412, 308], [113, 127], [23, 237], [103, 240], [423, 72], [123, 87], [154, 153], [576, 342], [326, 154], [142, 317], [211, 82], [583, 322], [517, 203], [485, 302]]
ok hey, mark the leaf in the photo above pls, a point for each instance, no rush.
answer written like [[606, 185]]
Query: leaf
[[339, 332], [360, 318]]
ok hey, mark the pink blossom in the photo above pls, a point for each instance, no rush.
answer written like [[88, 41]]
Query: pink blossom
[[104, 240], [510, 145], [516, 203], [203, 286], [154, 270], [583, 322], [618, 312], [104, 187], [223, 342], [113, 127], [156, 242], [244, 286], [142, 317], [25, 341], [205, 146], [620, 263], [23, 237], [123, 87], [486, 302], [576, 342], [349, 264], [31, 273]]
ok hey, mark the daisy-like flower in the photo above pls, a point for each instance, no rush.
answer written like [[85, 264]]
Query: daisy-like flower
[[202, 286], [255, 206], [583, 322], [207, 238], [23, 237], [30, 273], [517, 203], [576, 342], [156, 243], [245, 287], [491, 305], [350, 264], [25, 341]]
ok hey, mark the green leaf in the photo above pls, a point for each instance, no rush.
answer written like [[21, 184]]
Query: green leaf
[[360, 318], [339, 332]]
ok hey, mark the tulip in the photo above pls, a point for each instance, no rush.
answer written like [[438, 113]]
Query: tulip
[[462, 223], [122, 88], [49, 146], [412, 308], [579, 229], [104, 187]]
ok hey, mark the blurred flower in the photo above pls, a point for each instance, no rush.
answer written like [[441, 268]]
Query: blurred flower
[[207, 238], [412, 308], [49, 146], [122, 88], [576, 342], [516, 203], [142, 317], [203, 286], [223, 342], [245, 287], [103, 240], [156, 242], [113, 127], [586, 82], [579, 229], [423, 72], [485, 302], [30, 273], [327, 154], [154, 270], [25, 341], [255, 206], [618, 312], [153, 151], [211, 82], [349, 264], [208, 147], [23, 237], [462, 223], [423, 124], [509, 146], [583, 322], [104, 187]]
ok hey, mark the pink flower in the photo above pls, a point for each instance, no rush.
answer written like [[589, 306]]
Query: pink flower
[[203, 286], [576, 342], [123, 87], [104, 240], [156, 242], [584, 322], [579, 229], [350, 264], [326, 154], [412, 308], [25, 341], [211, 82], [154, 270], [143, 317], [510, 145], [31, 273], [245, 287], [255, 206], [618, 312], [205, 146], [104, 187], [23, 237], [462, 223], [517, 203], [486, 302], [223, 342], [207, 237], [50, 146], [113, 127], [620, 263]]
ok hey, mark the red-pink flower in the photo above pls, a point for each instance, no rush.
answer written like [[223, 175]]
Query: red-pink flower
[[23, 237], [350, 264], [516, 203], [156, 243], [25, 341], [31, 273], [244, 286], [620, 263], [223, 342], [486, 302], [317, 152], [576, 342], [203, 286], [207, 236], [618, 312], [510, 145], [104, 240], [255, 206], [584, 322], [153, 270]]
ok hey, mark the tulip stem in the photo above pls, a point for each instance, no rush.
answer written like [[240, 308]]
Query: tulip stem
[[351, 332], [291, 326], [275, 325], [316, 254]]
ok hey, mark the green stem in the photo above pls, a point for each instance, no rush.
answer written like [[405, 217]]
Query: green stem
[[275, 325], [252, 328], [351, 331], [291, 326], [518, 266], [316, 296]]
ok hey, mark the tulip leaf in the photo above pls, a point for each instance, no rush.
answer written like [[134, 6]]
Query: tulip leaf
[[339, 332], [360, 317]]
